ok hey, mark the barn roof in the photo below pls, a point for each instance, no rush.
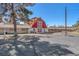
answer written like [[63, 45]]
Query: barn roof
[[35, 20]]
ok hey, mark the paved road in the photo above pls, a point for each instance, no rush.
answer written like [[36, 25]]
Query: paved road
[[41, 44], [59, 38]]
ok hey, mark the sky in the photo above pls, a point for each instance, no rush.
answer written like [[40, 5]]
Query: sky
[[54, 13]]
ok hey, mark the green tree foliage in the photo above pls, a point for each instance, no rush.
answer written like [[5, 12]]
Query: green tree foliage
[[24, 15], [76, 24]]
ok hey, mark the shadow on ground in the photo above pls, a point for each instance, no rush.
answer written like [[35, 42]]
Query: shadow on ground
[[32, 46]]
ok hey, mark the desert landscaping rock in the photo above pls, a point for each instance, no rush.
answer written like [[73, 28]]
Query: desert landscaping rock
[[13, 52], [21, 46]]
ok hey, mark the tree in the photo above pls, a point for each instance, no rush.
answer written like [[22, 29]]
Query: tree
[[26, 13], [13, 7], [76, 24]]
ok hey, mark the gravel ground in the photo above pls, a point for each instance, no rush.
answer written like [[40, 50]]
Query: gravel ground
[[56, 44]]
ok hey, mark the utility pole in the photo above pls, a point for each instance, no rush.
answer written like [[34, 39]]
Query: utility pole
[[65, 21]]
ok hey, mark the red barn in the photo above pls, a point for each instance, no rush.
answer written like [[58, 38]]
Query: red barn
[[38, 25]]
